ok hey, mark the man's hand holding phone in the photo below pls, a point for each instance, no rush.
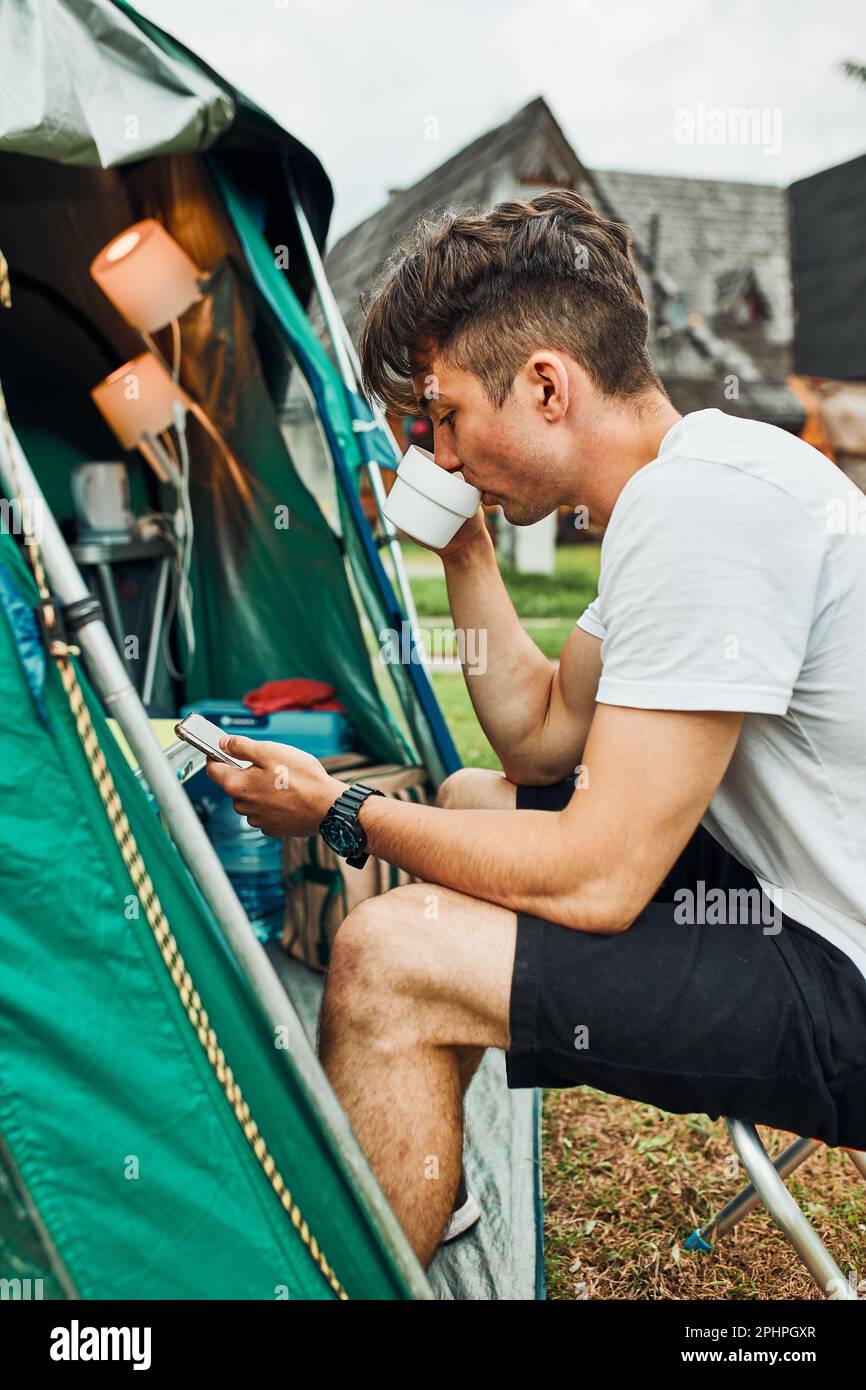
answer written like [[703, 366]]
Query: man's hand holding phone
[[281, 790]]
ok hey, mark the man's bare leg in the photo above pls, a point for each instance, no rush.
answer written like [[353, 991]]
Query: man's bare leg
[[406, 991], [419, 985]]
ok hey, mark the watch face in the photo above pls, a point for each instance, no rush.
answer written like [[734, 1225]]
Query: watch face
[[343, 838]]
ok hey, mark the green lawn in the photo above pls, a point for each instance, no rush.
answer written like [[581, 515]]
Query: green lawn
[[548, 606], [456, 706], [561, 596]]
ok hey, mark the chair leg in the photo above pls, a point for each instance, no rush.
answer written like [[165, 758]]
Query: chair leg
[[748, 1199], [757, 1163], [858, 1158], [784, 1210]]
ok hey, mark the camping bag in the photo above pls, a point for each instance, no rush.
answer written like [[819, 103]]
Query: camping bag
[[321, 889]]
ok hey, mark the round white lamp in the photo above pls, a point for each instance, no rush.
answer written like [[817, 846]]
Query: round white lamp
[[147, 276], [137, 402], [136, 399]]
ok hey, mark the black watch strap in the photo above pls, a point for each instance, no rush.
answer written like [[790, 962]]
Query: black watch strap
[[347, 807]]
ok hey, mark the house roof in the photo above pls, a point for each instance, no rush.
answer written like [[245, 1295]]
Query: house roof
[[711, 231], [695, 241], [530, 145]]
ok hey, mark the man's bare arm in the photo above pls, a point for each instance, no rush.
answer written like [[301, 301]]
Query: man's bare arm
[[650, 775], [535, 716]]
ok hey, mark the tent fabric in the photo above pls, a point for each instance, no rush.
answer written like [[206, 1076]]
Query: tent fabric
[[828, 233], [430, 733], [269, 573], [267, 157], [104, 1087], [25, 1253], [263, 596], [88, 87], [94, 83], [122, 1170]]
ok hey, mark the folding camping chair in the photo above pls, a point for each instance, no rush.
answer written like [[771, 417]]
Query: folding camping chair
[[767, 1185]]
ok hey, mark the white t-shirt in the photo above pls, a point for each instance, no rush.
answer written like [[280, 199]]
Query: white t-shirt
[[733, 577]]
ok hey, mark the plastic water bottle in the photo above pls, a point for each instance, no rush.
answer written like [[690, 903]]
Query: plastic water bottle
[[253, 862]]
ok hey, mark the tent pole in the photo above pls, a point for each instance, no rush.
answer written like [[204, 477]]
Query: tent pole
[[123, 703], [350, 370]]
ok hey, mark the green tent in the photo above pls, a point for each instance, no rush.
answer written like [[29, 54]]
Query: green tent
[[124, 1170]]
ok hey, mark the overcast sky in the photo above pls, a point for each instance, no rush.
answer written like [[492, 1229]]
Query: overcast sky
[[384, 91]]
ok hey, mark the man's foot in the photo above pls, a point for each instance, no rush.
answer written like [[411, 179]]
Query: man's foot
[[465, 1214]]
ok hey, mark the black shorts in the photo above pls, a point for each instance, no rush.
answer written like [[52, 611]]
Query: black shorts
[[762, 1021]]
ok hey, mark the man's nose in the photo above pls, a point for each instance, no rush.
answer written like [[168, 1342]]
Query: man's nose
[[444, 453]]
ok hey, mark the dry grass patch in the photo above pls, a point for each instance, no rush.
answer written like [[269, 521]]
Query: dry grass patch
[[624, 1184]]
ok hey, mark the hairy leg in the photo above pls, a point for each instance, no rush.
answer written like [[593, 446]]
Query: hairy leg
[[419, 985]]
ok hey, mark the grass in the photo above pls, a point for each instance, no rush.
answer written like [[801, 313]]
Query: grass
[[548, 605], [625, 1183], [456, 706], [561, 596]]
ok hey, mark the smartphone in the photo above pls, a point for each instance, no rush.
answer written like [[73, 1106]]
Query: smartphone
[[205, 736]]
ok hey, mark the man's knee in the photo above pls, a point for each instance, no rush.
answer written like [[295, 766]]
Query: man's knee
[[369, 988], [364, 940], [477, 789], [373, 950]]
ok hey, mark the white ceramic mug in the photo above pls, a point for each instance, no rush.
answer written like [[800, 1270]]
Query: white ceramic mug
[[100, 497], [427, 502]]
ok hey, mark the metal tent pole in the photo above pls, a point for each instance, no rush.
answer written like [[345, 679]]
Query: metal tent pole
[[122, 701], [350, 370]]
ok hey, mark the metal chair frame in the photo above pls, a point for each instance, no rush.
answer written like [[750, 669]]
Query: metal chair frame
[[767, 1184]]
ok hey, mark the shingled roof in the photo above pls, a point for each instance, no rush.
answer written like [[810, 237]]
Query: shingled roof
[[529, 147], [698, 243]]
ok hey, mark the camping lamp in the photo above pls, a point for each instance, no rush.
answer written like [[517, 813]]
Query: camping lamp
[[147, 276], [138, 402]]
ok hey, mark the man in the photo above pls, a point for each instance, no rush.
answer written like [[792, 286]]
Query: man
[[663, 894]]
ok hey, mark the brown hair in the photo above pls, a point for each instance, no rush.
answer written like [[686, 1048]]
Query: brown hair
[[487, 290]]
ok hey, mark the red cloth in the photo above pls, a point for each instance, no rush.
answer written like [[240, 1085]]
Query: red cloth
[[295, 693]]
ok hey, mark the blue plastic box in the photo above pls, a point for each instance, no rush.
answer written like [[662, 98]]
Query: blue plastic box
[[320, 732]]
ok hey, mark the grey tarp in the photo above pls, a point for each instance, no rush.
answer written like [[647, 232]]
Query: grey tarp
[[62, 100]]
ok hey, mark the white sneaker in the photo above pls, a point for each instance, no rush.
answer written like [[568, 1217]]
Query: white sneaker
[[464, 1216]]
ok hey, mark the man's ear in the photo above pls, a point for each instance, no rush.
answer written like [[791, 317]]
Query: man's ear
[[548, 380]]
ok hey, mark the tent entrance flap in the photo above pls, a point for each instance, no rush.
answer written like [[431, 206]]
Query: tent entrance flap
[[271, 597], [429, 731]]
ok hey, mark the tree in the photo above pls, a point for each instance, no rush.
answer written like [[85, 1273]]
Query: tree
[[855, 70]]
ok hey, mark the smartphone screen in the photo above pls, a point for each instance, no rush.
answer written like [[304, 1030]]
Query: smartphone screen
[[205, 736]]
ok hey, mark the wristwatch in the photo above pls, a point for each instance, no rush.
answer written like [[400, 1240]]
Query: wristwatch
[[340, 828]]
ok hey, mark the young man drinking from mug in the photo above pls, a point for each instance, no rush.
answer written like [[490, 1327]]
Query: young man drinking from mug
[[663, 893]]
